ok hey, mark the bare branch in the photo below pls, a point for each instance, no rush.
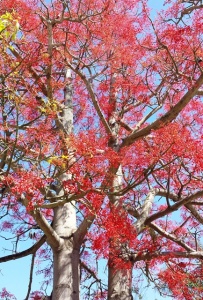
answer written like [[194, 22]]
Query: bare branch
[[94, 100], [61, 199], [170, 254], [170, 236], [92, 273], [124, 125], [52, 238], [145, 118], [24, 253], [189, 10], [194, 213], [161, 231], [174, 207], [31, 277], [167, 117], [158, 192]]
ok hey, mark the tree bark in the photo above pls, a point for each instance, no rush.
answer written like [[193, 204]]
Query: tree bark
[[120, 283], [66, 273], [66, 258], [119, 280]]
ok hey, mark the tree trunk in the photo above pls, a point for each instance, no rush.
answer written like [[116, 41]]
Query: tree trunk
[[119, 280], [119, 284], [66, 273], [66, 258]]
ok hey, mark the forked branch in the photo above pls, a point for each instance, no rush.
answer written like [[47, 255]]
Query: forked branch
[[167, 117]]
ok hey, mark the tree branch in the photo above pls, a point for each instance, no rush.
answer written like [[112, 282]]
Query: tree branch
[[174, 207], [167, 117], [194, 213], [170, 236], [32, 71], [146, 208], [86, 223], [171, 254], [167, 235], [145, 118], [94, 100], [31, 277], [52, 237], [200, 93], [158, 192], [189, 10], [24, 253], [92, 273], [83, 228]]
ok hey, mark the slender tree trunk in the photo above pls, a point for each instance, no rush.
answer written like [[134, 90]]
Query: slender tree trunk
[[119, 280], [119, 283], [66, 258]]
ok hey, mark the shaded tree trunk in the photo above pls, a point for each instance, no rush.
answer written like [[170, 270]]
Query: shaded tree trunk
[[66, 258], [119, 283], [66, 273]]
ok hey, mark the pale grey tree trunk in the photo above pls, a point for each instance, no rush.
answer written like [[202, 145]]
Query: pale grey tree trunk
[[66, 274], [66, 257], [119, 280], [120, 284]]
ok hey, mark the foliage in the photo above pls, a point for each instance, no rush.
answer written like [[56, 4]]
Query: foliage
[[101, 114]]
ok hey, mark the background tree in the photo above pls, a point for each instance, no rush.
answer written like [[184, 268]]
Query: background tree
[[101, 139]]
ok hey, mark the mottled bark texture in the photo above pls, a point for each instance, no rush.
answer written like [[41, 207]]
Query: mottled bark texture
[[120, 284]]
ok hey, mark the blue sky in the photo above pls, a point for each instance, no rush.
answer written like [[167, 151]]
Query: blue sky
[[14, 275]]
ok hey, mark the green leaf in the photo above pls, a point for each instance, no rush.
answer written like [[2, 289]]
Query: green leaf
[[9, 27]]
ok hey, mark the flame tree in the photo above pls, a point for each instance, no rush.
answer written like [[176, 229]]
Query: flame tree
[[101, 144]]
